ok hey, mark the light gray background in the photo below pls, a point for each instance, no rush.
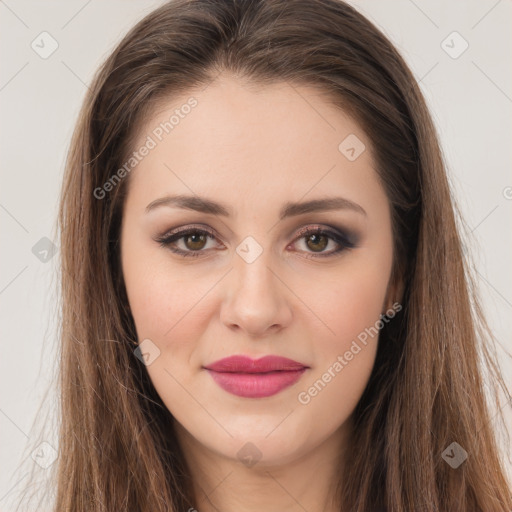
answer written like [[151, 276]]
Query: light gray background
[[470, 97]]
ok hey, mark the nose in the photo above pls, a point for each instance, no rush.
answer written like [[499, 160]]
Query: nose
[[256, 299]]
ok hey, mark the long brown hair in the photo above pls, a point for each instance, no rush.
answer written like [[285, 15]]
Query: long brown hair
[[426, 390]]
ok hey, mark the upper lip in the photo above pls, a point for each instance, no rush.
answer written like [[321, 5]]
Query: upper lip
[[245, 364]]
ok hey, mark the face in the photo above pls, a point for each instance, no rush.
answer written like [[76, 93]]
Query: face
[[254, 264]]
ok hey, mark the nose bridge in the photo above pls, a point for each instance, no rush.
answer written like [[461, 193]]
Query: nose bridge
[[252, 271], [255, 298]]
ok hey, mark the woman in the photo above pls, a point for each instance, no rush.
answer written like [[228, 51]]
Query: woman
[[265, 301]]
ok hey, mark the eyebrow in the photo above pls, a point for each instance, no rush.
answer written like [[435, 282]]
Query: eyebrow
[[204, 205]]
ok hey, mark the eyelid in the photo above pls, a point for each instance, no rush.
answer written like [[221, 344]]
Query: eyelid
[[188, 228]]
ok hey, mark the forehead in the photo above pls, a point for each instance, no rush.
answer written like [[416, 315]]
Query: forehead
[[273, 139]]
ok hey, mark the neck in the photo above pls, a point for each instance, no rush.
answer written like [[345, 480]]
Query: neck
[[307, 481]]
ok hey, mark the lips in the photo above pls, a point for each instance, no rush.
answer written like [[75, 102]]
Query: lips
[[244, 364], [246, 377]]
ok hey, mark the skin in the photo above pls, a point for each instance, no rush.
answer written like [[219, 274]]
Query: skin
[[254, 149]]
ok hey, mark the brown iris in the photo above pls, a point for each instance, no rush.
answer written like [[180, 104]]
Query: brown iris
[[198, 241], [315, 238]]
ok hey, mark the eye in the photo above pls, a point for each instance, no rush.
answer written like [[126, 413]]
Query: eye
[[316, 239], [194, 241]]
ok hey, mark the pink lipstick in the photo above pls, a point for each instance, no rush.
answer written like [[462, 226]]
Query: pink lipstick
[[250, 378]]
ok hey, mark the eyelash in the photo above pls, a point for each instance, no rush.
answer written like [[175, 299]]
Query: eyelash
[[342, 240]]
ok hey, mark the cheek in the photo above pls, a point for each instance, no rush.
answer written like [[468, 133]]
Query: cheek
[[355, 303], [165, 307], [351, 298], [163, 297], [345, 352]]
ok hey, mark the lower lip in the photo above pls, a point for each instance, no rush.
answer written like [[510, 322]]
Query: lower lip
[[256, 385]]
